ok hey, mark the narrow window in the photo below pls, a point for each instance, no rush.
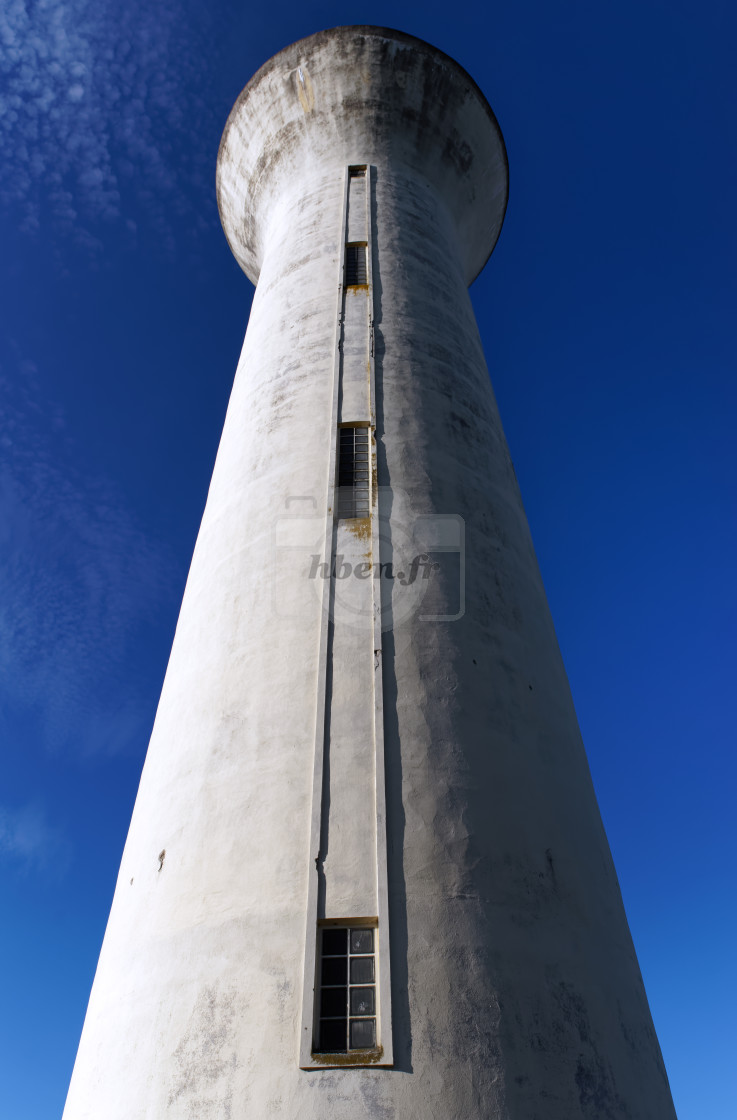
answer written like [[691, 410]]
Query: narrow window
[[347, 989], [354, 478], [357, 172], [355, 265]]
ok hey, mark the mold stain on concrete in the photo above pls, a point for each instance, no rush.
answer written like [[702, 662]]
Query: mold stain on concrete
[[355, 1059], [205, 1058]]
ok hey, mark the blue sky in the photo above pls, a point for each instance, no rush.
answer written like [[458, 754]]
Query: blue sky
[[607, 314]]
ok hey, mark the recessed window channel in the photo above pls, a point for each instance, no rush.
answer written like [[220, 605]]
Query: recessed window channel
[[355, 266], [354, 479], [347, 990], [357, 172]]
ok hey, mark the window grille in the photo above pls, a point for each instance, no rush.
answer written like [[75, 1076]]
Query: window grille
[[347, 990], [354, 478], [355, 265]]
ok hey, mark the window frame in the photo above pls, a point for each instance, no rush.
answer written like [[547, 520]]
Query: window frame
[[349, 1054], [354, 494], [356, 271]]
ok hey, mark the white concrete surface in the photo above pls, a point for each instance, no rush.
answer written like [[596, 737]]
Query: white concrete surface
[[515, 987]]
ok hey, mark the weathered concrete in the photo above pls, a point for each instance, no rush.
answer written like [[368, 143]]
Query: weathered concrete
[[515, 987]]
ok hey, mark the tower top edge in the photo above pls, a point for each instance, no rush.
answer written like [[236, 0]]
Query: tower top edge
[[359, 95]]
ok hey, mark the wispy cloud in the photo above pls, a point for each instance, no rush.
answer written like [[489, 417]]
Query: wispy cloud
[[79, 581], [27, 838], [98, 107]]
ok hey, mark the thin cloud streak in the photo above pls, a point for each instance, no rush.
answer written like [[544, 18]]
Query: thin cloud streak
[[28, 839], [94, 103], [79, 580]]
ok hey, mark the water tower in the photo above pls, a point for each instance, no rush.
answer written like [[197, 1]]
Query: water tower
[[366, 874]]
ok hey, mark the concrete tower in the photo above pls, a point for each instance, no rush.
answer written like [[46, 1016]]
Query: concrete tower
[[366, 874]]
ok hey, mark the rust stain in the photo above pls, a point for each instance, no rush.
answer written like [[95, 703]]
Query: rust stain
[[305, 89], [360, 527]]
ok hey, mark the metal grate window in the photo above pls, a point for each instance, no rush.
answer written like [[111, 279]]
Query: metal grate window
[[354, 475], [355, 265], [347, 990]]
